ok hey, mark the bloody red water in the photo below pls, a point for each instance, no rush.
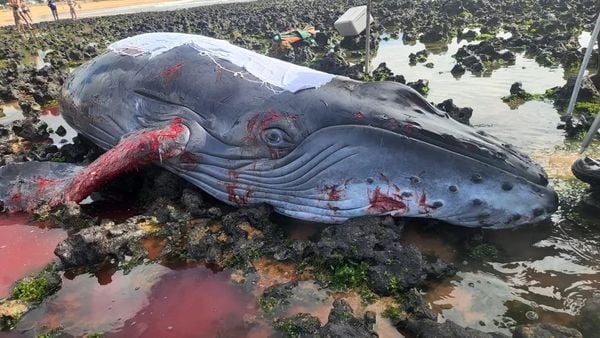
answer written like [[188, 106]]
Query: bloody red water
[[24, 249], [150, 301], [191, 303], [50, 110]]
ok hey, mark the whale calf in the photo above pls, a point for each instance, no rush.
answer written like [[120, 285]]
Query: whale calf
[[249, 129]]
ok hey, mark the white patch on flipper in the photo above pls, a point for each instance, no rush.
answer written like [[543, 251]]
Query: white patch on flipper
[[272, 71]]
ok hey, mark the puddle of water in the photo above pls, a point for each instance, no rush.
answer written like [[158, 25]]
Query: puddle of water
[[50, 115], [24, 249], [537, 121], [151, 301]]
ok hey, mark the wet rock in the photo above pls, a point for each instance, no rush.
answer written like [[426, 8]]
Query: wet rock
[[192, 201], [458, 70], [462, 115], [303, 54], [589, 317], [422, 86], [435, 33], [298, 325], [546, 330], [358, 42], [61, 131], [11, 312], [342, 323], [392, 266], [418, 57], [562, 95], [31, 129], [29, 108], [417, 306], [429, 328], [36, 288], [69, 216], [382, 72], [516, 89], [474, 64], [276, 297], [93, 245]]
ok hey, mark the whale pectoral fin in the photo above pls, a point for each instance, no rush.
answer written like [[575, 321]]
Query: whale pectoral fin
[[18, 189], [25, 185], [134, 151]]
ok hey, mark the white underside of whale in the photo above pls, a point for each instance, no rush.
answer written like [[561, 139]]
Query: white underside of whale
[[278, 74]]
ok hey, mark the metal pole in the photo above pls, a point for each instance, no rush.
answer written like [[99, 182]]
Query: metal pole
[[368, 46], [584, 63], [586, 59]]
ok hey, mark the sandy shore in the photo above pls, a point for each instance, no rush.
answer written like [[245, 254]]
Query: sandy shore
[[41, 12]]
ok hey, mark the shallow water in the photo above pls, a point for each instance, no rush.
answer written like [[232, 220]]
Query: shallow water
[[24, 249], [549, 269], [151, 301], [50, 115]]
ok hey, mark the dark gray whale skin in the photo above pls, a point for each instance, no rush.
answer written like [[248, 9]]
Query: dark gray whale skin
[[342, 150]]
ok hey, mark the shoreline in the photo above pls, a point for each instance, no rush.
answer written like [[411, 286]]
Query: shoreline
[[41, 12]]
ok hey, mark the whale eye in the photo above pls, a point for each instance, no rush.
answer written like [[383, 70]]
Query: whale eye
[[276, 137]]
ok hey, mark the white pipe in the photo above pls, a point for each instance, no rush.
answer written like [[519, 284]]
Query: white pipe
[[586, 59], [584, 64], [368, 37]]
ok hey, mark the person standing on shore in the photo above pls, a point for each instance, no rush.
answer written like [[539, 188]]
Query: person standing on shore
[[18, 15], [52, 5], [72, 5], [26, 11]]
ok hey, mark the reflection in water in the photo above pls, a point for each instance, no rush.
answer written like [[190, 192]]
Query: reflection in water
[[24, 249], [531, 126], [549, 269], [50, 115], [151, 301]]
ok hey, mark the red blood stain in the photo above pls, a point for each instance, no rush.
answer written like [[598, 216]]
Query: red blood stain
[[408, 129], [236, 198], [274, 152], [358, 116], [24, 249], [169, 72], [218, 308], [423, 205], [51, 110], [252, 123], [43, 183], [16, 197], [233, 175], [392, 124], [131, 153], [333, 192], [190, 158], [269, 118], [381, 202]]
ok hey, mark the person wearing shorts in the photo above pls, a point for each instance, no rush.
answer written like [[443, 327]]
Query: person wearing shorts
[[53, 9]]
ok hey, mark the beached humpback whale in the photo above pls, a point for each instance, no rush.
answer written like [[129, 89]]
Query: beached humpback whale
[[247, 129]]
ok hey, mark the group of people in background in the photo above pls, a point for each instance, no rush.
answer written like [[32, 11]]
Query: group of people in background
[[22, 13]]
